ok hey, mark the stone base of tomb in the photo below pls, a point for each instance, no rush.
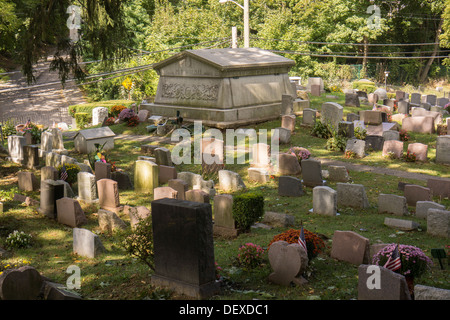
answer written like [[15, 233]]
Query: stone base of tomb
[[203, 291], [225, 232], [218, 118]]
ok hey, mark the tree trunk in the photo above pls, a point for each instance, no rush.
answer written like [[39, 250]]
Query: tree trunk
[[425, 71], [364, 63]]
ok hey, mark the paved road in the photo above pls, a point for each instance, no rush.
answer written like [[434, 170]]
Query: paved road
[[42, 105]]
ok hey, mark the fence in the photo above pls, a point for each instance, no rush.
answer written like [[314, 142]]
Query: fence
[[45, 118]]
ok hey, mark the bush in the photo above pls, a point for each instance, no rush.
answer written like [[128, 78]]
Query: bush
[[18, 239], [300, 153], [8, 128], [82, 119], [116, 109], [322, 130], [368, 87], [314, 244], [337, 143], [414, 262], [139, 242], [87, 107], [72, 172], [248, 208], [410, 157], [250, 256], [404, 136], [360, 133], [126, 114], [133, 121]]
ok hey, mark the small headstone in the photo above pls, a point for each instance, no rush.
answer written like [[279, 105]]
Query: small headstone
[[352, 100], [332, 113], [418, 124], [443, 149], [351, 195], [371, 117], [57, 141], [180, 186], [195, 181], [288, 164], [102, 170], [31, 156], [123, 180], [260, 156], [309, 117], [414, 193], [86, 243], [315, 90], [346, 129], [137, 214], [388, 285], [183, 236], [197, 195], [312, 173], [258, 175], [357, 146], [98, 115], [422, 292], [224, 223], [166, 173], [146, 176], [352, 117], [338, 174], [277, 219], [288, 122], [27, 181], [164, 192], [109, 221], [163, 156], [108, 194], [324, 201], [393, 146], [391, 135], [15, 148], [230, 181], [407, 225], [420, 150], [438, 223], [23, 283], [416, 98], [70, 213], [439, 187], [143, 115], [403, 107], [350, 247], [87, 187], [55, 291], [391, 203], [284, 135], [288, 261], [423, 206], [290, 187], [287, 104], [374, 143], [51, 191]]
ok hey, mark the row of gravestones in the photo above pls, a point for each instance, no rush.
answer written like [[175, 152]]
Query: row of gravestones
[[100, 114]]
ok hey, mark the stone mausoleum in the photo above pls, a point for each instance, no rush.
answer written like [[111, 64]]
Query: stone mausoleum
[[224, 88]]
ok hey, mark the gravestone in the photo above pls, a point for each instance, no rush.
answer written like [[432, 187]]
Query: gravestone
[[309, 117], [224, 223], [393, 146], [102, 170], [315, 90], [290, 187], [406, 225], [416, 99], [350, 247], [288, 164], [260, 156], [400, 95], [98, 115], [421, 112], [87, 187], [57, 141], [431, 99], [27, 181], [373, 98], [312, 173], [346, 129], [418, 124], [284, 135], [422, 292], [31, 156], [414, 193], [338, 174], [420, 150], [166, 173], [391, 285], [258, 175], [180, 186], [443, 149], [391, 203], [123, 180], [137, 214], [195, 181], [23, 283], [48, 172], [352, 117], [439, 187], [352, 100], [163, 157], [438, 223], [143, 115], [287, 101], [15, 148], [423, 206], [331, 114], [51, 191], [278, 220], [146, 176], [87, 243], [108, 194], [442, 102], [288, 261], [288, 122], [109, 221], [230, 181], [46, 141], [403, 107], [197, 195], [357, 146], [324, 201], [70, 213], [351, 195], [374, 143], [371, 117], [164, 192], [183, 236], [391, 135]]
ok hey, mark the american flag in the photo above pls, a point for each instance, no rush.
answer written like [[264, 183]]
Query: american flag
[[301, 239], [64, 174], [394, 262]]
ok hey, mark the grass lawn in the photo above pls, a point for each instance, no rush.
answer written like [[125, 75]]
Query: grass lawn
[[116, 276]]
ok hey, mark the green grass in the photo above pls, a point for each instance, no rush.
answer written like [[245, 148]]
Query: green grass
[[116, 276]]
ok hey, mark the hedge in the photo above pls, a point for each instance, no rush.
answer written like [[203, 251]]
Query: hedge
[[87, 107], [248, 208]]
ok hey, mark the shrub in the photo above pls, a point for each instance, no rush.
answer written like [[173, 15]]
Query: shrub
[[350, 154], [337, 143], [414, 262], [133, 121], [126, 114], [139, 242], [368, 87], [250, 256], [116, 109], [18, 239], [82, 119], [8, 128], [322, 130], [300, 153], [360, 133], [72, 172], [110, 121], [248, 208], [404, 136], [410, 157], [314, 244]]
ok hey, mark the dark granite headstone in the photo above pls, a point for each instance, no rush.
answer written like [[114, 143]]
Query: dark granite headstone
[[102, 170], [290, 187], [50, 192], [183, 247]]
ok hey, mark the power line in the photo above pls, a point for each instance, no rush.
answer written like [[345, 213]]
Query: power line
[[352, 57]]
